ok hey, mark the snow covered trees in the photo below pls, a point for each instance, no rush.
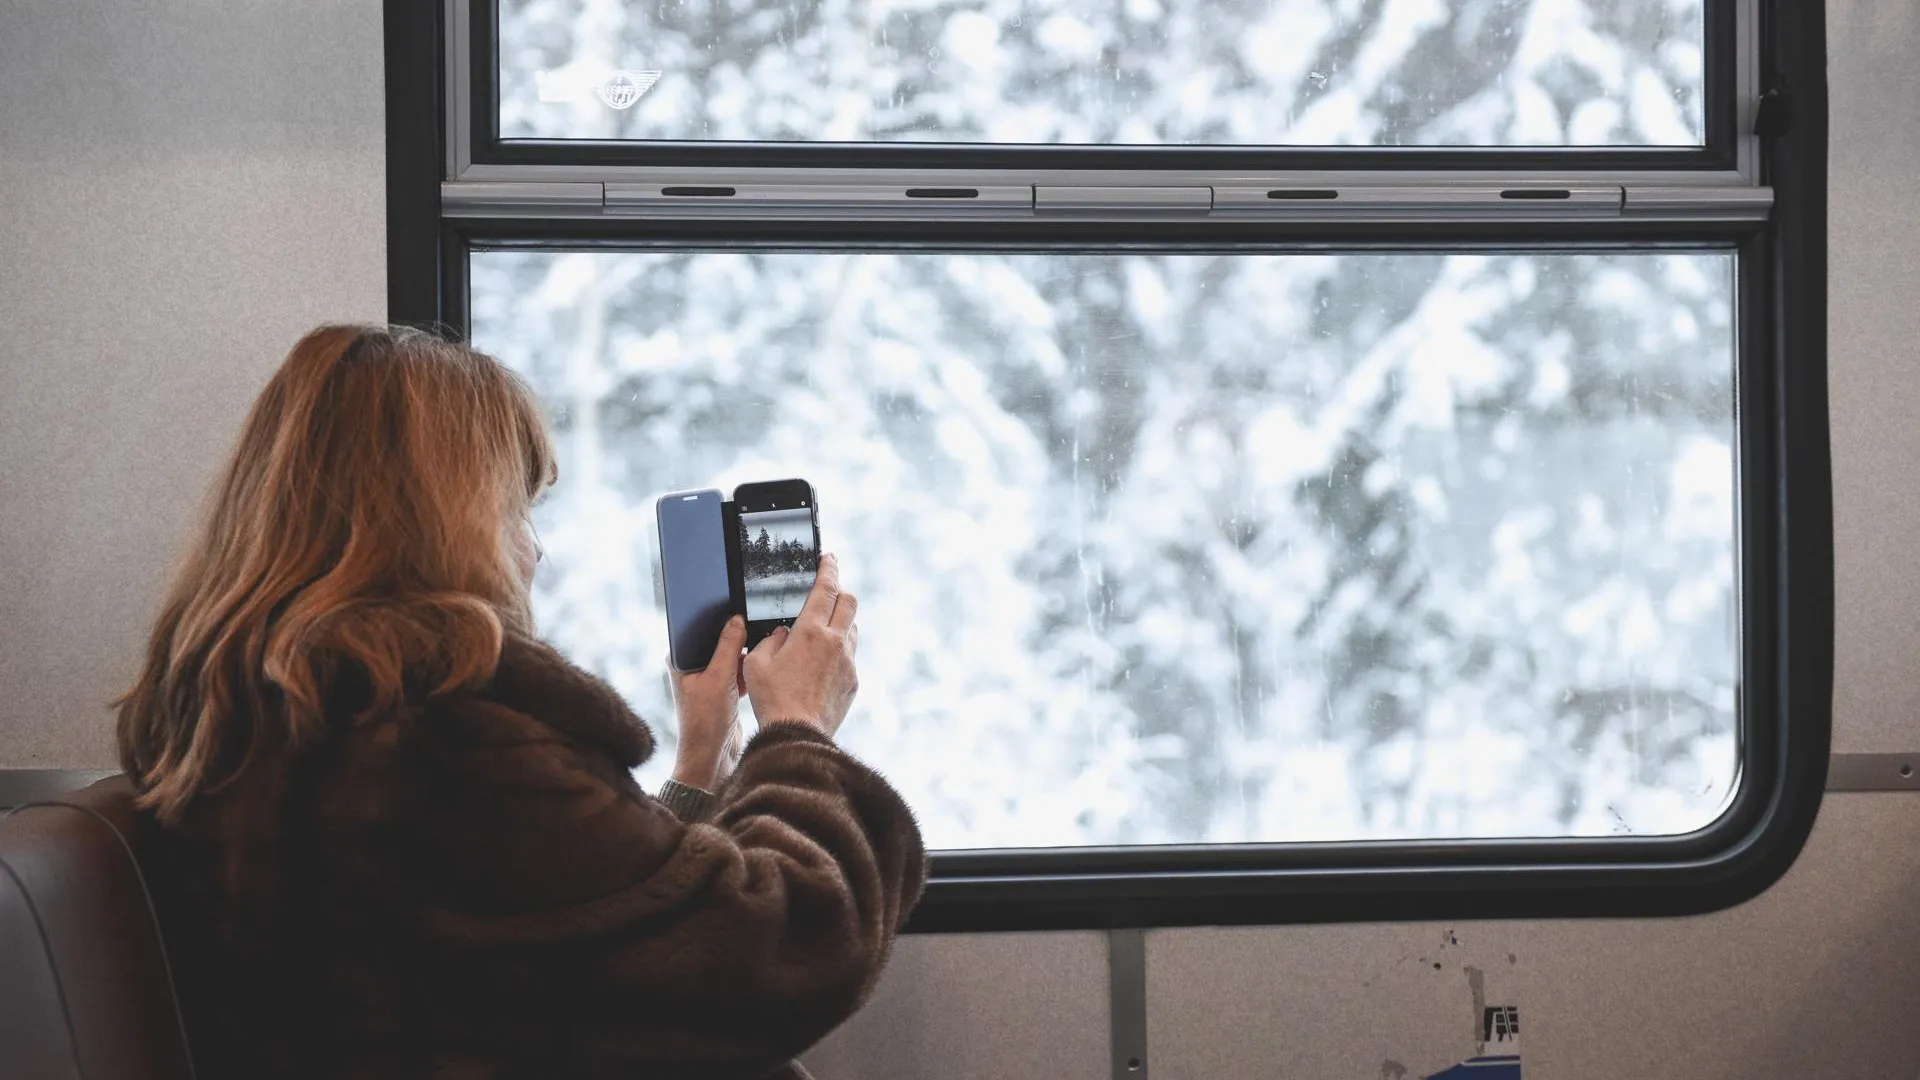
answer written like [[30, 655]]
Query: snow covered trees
[[1160, 547]]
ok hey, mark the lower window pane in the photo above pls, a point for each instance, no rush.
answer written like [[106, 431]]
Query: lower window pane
[[1182, 548]]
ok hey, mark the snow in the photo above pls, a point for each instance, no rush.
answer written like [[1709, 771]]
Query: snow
[[1199, 572], [1163, 548], [1401, 72]]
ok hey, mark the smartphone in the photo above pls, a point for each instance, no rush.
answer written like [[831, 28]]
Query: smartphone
[[778, 538], [696, 580]]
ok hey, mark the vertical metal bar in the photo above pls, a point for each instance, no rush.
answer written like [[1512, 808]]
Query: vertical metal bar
[[1127, 1002], [1747, 88], [413, 161], [458, 102]]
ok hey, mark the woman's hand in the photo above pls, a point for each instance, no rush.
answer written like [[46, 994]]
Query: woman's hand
[[806, 675], [709, 706]]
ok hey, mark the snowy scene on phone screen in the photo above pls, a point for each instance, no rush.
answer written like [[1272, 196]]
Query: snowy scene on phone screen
[[778, 560]]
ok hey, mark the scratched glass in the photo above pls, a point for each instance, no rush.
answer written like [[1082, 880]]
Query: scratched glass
[[1159, 548], [1132, 72]]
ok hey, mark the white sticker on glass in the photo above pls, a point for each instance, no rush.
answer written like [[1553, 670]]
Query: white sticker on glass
[[616, 89]]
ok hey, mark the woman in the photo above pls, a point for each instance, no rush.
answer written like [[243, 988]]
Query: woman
[[401, 837]]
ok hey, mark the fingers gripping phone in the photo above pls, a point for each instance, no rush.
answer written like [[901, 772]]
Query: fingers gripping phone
[[756, 556], [777, 534]]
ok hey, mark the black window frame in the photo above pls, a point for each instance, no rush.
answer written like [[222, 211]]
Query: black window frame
[[1786, 553]]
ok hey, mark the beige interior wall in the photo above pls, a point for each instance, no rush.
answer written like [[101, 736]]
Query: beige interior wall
[[1874, 338], [184, 188]]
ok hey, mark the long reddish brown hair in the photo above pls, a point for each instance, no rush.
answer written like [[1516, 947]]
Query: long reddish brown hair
[[360, 532]]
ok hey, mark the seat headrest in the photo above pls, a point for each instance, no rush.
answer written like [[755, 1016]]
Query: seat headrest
[[87, 993]]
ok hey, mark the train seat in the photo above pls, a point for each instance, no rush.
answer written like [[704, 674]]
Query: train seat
[[87, 992]]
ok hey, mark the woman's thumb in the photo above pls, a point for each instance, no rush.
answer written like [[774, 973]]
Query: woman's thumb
[[769, 644]]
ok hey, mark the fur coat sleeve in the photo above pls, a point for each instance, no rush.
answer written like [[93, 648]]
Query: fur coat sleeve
[[716, 949]]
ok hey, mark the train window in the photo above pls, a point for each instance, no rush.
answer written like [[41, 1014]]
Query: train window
[[1246, 72], [1300, 459], [1192, 549]]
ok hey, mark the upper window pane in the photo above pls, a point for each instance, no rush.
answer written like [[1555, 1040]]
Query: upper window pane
[[1181, 548], [1113, 72]]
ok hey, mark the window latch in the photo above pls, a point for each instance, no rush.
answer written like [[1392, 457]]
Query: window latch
[[1774, 117]]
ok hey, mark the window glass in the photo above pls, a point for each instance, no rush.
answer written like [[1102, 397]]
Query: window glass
[[1182, 548], [1139, 72]]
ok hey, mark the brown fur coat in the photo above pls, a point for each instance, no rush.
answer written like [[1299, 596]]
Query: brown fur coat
[[476, 888]]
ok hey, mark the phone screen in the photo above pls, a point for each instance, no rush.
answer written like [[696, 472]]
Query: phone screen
[[693, 571], [779, 553]]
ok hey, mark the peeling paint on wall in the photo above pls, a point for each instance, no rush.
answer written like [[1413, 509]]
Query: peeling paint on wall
[[1496, 1038], [1492, 1032]]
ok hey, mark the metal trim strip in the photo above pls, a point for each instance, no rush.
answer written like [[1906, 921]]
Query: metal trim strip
[[19, 787], [1127, 1002], [1873, 772]]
